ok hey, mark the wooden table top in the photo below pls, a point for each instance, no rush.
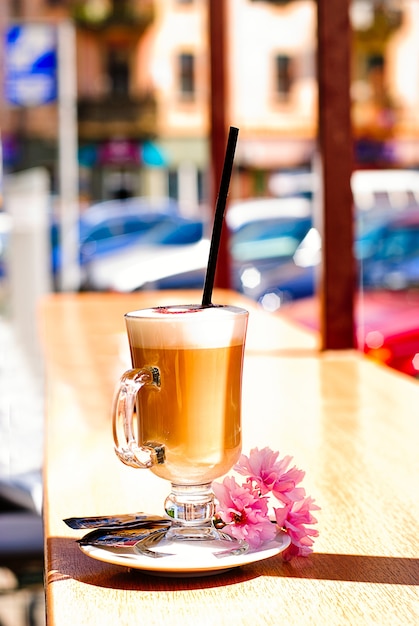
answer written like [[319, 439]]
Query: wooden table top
[[351, 424]]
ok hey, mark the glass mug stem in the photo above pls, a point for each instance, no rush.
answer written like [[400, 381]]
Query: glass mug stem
[[191, 505]]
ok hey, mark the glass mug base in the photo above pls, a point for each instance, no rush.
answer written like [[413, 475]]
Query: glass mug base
[[181, 542], [191, 508]]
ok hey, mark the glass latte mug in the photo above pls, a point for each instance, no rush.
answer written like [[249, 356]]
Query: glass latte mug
[[178, 411]]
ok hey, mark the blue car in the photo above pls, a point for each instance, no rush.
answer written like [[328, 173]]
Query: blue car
[[109, 227], [387, 254], [262, 247]]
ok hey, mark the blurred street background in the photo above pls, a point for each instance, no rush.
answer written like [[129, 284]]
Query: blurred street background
[[108, 182]]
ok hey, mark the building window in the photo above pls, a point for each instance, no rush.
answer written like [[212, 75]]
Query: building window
[[173, 187], [375, 70], [118, 72], [16, 8], [375, 61], [186, 63], [201, 186], [283, 77]]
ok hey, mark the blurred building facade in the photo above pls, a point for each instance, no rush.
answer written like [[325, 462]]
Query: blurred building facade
[[143, 92]]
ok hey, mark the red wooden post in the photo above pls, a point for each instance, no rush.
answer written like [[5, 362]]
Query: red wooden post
[[337, 281], [219, 124]]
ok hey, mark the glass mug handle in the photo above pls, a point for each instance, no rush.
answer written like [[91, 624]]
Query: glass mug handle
[[126, 445]]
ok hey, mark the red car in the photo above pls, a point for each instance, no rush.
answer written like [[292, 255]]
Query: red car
[[387, 325]]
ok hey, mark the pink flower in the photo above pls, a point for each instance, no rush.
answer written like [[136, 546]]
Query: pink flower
[[244, 508], [294, 518], [244, 512], [262, 468]]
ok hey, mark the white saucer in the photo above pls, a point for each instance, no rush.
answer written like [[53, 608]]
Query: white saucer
[[193, 561]]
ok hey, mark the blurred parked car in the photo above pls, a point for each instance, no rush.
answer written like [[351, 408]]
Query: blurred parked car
[[241, 212], [263, 246], [150, 266], [386, 249], [387, 325], [388, 253], [264, 235], [113, 227], [263, 231]]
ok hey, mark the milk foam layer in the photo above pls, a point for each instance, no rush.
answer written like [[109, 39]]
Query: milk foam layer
[[186, 326]]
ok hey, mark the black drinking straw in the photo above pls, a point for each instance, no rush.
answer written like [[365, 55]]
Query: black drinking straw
[[219, 215]]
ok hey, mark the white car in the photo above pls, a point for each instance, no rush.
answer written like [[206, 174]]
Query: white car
[[132, 270]]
